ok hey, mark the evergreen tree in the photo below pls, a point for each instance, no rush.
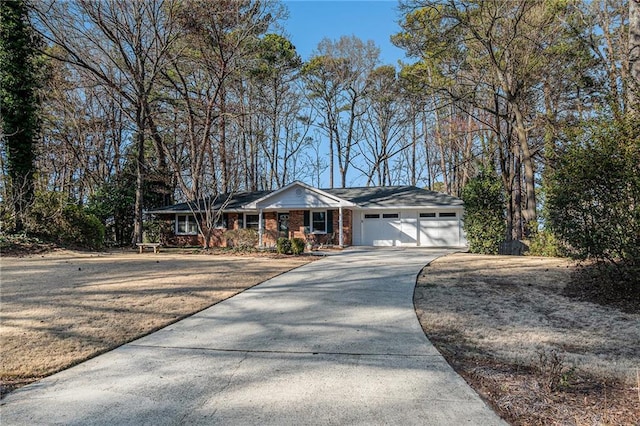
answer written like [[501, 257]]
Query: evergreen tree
[[484, 220], [18, 103], [593, 194]]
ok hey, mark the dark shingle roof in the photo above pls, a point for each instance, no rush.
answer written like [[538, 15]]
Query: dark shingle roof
[[237, 201], [394, 196], [366, 197]]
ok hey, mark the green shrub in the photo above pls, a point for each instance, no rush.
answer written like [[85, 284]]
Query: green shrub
[[242, 239], [593, 192], [80, 228], [297, 246], [113, 203], [283, 245], [484, 220], [55, 218], [156, 231], [544, 243]]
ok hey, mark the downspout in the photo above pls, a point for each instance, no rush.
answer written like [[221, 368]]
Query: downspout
[[341, 238], [260, 223]]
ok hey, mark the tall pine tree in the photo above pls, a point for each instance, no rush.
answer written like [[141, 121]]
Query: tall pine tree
[[18, 103]]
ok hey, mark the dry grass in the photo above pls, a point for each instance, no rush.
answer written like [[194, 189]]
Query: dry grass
[[61, 308], [537, 356]]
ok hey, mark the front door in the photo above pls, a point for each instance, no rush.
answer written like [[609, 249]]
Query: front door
[[283, 225]]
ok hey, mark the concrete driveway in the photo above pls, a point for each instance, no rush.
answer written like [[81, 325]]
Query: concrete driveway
[[336, 341]]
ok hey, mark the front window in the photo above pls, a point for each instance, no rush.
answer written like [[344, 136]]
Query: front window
[[186, 225], [252, 221], [221, 221], [319, 222]]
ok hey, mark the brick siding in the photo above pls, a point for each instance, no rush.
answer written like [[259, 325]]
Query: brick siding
[[270, 219]]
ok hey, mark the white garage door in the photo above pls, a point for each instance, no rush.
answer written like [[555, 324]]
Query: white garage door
[[381, 229], [439, 229]]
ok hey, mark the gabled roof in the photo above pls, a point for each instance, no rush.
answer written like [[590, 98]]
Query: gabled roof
[[317, 192], [383, 197]]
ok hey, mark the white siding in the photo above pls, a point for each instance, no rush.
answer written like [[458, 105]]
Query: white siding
[[298, 197]]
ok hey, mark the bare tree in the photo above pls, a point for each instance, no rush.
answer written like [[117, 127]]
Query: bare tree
[[336, 79], [124, 46], [634, 55], [383, 125]]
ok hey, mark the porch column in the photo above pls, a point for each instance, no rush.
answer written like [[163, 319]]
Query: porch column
[[260, 224], [341, 238]]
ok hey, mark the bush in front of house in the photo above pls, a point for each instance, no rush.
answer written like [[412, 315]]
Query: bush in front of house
[[297, 246], [242, 239], [283, 245], [156, 231]]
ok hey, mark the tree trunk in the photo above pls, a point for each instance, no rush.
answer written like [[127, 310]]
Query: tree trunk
[[634, 56], [137, 227], [222, 144], [414, 144], [529, 213]]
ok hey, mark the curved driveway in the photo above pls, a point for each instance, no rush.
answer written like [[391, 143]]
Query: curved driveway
[[335, 341]]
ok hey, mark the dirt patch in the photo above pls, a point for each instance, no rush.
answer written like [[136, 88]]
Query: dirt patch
[[537, 356], [61, 308]]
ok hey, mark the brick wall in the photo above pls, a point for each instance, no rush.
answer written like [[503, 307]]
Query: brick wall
[[346, 226], [270, 228], [296, 230], [296, 224]]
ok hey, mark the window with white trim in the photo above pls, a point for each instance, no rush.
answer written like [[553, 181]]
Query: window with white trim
[[221, 221], [186, 225], [390, 215], [319, 222], [252, 221], [448, 214], [423, 215], [371, 216]]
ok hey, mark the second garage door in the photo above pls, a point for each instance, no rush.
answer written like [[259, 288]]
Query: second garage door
[[439, 229], [431, 229]]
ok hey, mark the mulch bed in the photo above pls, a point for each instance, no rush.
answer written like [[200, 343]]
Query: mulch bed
[[522, 395]]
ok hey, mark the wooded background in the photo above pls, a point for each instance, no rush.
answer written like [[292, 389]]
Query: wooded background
[[136, 105]]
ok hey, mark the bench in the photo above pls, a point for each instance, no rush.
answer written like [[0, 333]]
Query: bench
[[155, 246]]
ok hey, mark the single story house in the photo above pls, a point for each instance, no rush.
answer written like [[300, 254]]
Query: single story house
[[367, 216]]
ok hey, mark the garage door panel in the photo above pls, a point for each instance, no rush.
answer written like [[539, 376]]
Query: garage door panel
[[381, 232]]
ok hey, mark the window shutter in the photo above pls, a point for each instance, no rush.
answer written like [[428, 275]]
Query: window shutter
[[225, 220], [329, 221], [306, 219]]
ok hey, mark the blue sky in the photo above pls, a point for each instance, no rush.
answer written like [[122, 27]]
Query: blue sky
[[312, 20]]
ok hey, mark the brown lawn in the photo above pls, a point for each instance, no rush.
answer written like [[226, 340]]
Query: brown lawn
[[64, 307], [536, 355]]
